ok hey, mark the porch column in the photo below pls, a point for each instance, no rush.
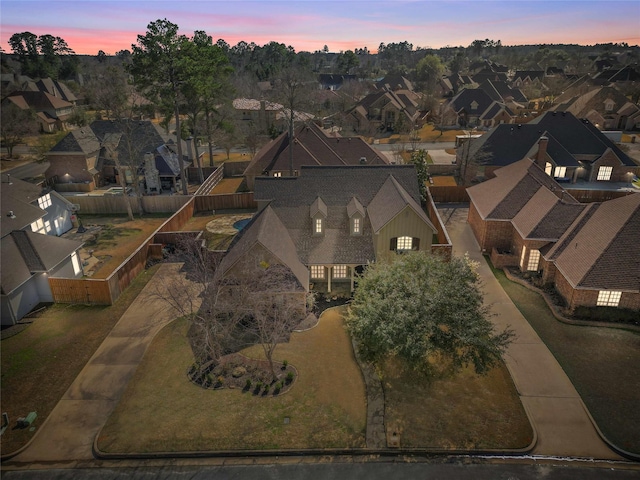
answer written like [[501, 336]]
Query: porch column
[[352, 277], [329, 272]]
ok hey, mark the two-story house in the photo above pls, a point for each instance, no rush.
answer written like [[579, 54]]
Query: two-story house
[[52, 112], [329, 223]]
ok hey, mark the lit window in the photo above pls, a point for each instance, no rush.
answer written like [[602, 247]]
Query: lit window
[[340, 271], [317, 271], [47, 226], [405, 243], [560, 172], [534, 259], [37, 226], [77, 269], [523, 255], [356, 225], [604, 173], [277, 174], [548, 168], [317, 225], [45, 201], [608, 298]]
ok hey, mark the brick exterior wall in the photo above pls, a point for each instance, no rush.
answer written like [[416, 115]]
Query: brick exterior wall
[[490, 233], [74, 165], [589, 298], [502, 260], [519, 243], [610, 159]]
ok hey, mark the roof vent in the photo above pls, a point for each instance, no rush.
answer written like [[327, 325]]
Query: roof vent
[[363, 160], [11, 214]]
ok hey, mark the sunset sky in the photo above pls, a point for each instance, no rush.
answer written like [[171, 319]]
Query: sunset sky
[[308, 25]]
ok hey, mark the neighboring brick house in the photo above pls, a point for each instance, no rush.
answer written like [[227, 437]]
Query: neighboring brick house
[[311, 146], [386, 111], [261, 112], [52, 112], [523, 78], [30, 248], [83, 159], [474, 107], [567, 148], [605, 107], [328, 223], [524, 218]]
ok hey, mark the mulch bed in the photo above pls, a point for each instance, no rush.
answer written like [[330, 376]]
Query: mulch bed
[[252, 375]]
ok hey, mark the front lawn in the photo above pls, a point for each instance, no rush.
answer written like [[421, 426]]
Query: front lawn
[[465, 411], [161, 410], [601, 362], [40, 363]]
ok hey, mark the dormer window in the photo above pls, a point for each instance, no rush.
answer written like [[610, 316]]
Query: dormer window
[[356, 228], [609, 104], [318, 214]]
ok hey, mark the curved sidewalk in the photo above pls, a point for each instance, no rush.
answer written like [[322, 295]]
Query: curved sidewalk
[[563, 425], [70, 429]]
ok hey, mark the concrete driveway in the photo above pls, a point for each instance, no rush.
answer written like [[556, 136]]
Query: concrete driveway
[[69, 431], [559, 417]]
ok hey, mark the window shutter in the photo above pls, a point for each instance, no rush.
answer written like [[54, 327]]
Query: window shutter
[[415, 243], [394, 244]]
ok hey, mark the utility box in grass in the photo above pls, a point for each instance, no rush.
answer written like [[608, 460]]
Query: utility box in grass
[[24, 422]]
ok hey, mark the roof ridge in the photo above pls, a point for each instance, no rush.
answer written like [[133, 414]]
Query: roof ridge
[[28, 251]]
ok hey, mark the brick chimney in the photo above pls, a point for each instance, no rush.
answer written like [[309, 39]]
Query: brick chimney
[[541, 156]]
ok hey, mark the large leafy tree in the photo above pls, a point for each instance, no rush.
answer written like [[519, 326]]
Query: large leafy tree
[[429, 71], [427, 312], [15, 125], [158, 70], [44, 55]]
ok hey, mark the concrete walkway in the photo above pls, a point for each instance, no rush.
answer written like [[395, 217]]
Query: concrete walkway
[[69, 431], [562, 423]]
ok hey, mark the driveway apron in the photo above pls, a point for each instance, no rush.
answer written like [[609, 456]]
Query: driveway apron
[[69, 431]]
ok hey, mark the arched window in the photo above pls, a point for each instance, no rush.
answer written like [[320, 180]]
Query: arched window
[[404, 243]]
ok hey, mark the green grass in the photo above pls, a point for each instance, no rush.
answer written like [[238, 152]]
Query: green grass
[[601, 362]]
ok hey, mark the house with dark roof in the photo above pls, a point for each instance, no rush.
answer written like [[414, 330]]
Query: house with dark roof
[[569, 149], [474, 107], [31, 251], [522, 217], [528, 77], [310, 146], [328, 223], [52, 112], [605, 107], [84, 158], [386, 111], [332, 81]]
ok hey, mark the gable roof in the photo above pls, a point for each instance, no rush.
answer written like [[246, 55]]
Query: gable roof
[[30, 253], [602, 243], [311, 146], [503, 197], [39, 101], [265, 229], [17, 197]]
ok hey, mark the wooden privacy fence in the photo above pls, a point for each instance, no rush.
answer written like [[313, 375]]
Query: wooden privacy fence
[[449, 194], [113, 204], [106, 291], [227, 201], [590, 196]]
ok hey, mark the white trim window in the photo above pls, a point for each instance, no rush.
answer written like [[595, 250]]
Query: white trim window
[[317, 271], [534, 260], [548, 168], [277, 174], [47, 226], [37, 226], [604, 173], [44, 201], [339, 271], [608, 298], [560, 172], [405, 243], [317, 225], [77, 269], [356, 225]]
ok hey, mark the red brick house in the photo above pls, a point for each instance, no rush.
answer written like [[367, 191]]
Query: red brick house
[[524, 218]]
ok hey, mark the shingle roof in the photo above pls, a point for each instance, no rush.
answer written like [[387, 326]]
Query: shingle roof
[[40, 101], [291, 199], [601, 251], [16, 197], [28, 253], [312, 146], [83, 141]]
